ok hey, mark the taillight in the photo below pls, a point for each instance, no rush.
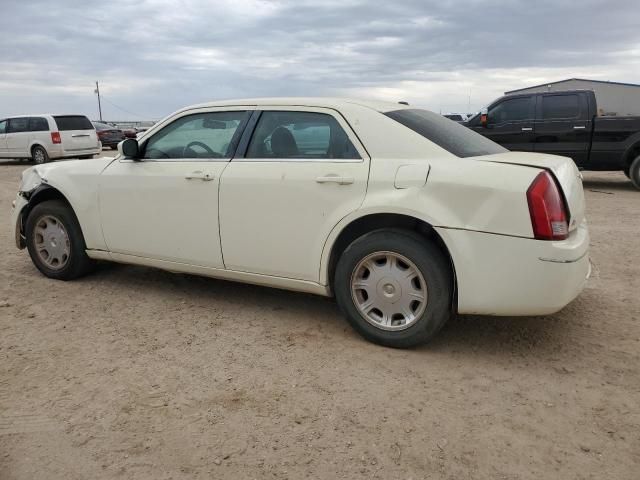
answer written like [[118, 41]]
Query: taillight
[[547, 209], [55, 137]]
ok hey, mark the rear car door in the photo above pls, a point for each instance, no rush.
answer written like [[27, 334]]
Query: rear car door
[[3, 138], [76, 132], [18, 137], [563, 126], [510, 122], [165, 205], [301, 171]]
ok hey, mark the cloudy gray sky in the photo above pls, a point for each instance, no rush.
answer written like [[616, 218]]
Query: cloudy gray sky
[[154, 56]]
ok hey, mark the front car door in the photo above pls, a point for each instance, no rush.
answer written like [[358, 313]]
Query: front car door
[[563, 126], [165, 206], [301, 172], [510, 122]]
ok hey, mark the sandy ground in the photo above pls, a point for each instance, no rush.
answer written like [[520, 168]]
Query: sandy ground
[[141, 374]]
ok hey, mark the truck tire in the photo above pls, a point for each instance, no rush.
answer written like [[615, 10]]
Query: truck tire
[[634, 172]]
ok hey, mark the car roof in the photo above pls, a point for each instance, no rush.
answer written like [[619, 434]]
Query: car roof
[[327, 102]]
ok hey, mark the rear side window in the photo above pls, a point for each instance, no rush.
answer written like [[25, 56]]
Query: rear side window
[[512, 110], [38, 124], [453, 137], [300, 135], [560, 106], [3, 126], [73, 122], [17, 125]]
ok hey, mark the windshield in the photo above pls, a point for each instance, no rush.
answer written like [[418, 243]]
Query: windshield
[[453, 137]]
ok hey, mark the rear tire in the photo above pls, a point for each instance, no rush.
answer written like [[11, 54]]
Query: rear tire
[[39, 155], [394, 287], [634, 172], [55, 241]]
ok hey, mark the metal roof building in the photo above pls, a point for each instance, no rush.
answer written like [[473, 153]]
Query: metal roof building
[[614, 98]]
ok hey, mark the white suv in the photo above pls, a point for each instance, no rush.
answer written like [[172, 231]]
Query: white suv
[[46, 137]]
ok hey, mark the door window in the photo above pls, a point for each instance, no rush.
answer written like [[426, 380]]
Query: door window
[[38, 124], [17, 125], [300, 135], [512, 110], [3, 126], [560, 106], [203, 135]]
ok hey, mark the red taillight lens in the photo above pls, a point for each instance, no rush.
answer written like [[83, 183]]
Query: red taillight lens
[[547, 209], [55, 137]]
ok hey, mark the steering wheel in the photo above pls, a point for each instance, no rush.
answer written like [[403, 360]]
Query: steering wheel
[[203, 146]]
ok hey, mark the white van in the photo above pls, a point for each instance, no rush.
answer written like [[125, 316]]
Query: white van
[[46, 137]]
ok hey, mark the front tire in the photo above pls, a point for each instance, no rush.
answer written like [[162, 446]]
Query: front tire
[[394, 287], [39, 155], [634, 172], [55, 241]]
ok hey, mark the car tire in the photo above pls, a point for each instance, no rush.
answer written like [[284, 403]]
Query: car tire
[[634, 172], [39, 155], [405, 273], [55, 241]]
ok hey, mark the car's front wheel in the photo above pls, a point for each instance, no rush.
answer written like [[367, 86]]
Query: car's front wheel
[[55, 241], [394, 287]]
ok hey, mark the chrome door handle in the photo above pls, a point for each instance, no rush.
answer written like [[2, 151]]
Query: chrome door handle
[[335, 179], [205, 177], [579, 127], [527, 129]]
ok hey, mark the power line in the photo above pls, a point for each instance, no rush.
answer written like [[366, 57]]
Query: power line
[[123, 109]]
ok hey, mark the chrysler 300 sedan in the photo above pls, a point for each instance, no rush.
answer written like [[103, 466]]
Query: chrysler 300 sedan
[[402, 215]]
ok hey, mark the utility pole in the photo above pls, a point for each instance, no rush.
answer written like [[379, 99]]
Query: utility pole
[[97, 91]]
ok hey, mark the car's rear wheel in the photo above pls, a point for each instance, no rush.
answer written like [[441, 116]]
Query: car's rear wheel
[[39, 155], [634, 172], [394, 287], [55, 241]]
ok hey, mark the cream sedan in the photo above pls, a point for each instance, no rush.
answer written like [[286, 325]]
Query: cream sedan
[[404, 216]]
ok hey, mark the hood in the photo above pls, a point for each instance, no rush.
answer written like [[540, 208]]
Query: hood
[[33, 176]]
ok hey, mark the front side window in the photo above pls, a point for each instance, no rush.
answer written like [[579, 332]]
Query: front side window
[[38, 124], [300, 135], [202, 135], [3, 126], [17, 125], [560, 106], [512, 110]]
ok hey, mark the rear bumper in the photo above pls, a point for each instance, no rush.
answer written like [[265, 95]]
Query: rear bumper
[[502, 275], [62, 153]]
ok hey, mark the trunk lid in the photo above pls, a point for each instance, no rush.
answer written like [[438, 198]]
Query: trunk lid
[[562, 168]]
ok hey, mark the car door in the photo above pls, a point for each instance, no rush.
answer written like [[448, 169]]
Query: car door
[[3, 138], [18, 137], [165, 206], [563, 126], [302, 170], [510, 122]]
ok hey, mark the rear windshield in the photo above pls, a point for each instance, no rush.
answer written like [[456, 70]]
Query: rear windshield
[[102, 126], [453, 137], [73, 122]]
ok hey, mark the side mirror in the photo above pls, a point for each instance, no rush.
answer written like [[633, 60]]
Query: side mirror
[[129, 148]]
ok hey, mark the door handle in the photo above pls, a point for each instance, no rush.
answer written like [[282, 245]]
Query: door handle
[[527, 129], [579, 127], [199, 175], [335, 179]]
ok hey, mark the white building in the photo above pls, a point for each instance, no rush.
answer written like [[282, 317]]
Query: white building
[[613, 98]]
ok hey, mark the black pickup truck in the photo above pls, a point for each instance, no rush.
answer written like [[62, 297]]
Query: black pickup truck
[[564, 123]]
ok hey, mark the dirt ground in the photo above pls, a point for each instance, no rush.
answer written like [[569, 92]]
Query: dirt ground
[[136, 373]]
